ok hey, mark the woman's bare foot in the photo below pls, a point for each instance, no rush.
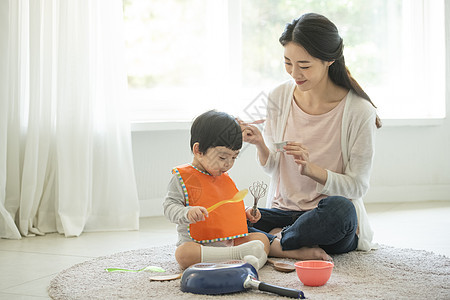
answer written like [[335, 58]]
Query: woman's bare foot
[[276, 232], [304, 253]]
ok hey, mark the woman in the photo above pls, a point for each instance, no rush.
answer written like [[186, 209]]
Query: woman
[[317, 183]]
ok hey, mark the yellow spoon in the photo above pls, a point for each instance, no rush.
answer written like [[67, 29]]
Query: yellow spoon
[[239, 196]]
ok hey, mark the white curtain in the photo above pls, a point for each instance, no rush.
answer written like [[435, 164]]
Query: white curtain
[[65, 146]]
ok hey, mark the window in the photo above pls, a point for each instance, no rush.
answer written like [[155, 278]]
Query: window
[[187, 56]]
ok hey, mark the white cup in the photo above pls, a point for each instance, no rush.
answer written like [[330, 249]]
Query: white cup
[[279, 146]]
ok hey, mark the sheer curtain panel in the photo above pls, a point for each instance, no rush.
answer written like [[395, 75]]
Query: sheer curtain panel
[[65, 147]]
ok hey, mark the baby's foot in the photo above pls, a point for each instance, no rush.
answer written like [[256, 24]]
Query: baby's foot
[[250, 251], [252, 260], [255, 248]]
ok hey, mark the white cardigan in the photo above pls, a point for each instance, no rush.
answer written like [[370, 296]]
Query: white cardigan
[[357, 142]]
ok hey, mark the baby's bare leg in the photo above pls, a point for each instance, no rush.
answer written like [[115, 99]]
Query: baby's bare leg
[[188, 253]]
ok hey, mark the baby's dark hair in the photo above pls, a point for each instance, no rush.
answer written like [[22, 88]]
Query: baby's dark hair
[[213, 129]]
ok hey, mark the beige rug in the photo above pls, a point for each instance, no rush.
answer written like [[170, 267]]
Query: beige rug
[[386, 273]]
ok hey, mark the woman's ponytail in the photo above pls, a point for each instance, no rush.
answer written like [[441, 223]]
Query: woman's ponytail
[[340, 74], [358, 90]]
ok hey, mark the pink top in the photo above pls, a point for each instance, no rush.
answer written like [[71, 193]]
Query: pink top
[[323, 141]]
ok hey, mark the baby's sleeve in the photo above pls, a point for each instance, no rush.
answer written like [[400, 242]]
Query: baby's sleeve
[[174, 203]]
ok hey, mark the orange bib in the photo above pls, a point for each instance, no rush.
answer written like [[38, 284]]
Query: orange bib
[[225, 222]]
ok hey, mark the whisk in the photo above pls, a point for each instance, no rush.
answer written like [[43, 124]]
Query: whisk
[[258, 190]]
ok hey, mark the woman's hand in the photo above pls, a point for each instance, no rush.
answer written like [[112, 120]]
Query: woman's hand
[[197, 214], [306, 167], [250, 217], [250, 133], [300, 154]]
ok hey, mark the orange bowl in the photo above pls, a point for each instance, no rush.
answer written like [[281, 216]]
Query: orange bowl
[[314, 272]]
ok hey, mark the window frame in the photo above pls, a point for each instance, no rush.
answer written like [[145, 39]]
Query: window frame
[[234, 62]]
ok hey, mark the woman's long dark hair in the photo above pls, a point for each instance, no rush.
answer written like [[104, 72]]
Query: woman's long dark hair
[[320, 37]]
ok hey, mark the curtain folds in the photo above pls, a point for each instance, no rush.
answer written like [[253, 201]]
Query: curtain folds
[[65, 146]]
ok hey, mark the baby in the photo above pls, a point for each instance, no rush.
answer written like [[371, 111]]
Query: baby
[[204, 201]]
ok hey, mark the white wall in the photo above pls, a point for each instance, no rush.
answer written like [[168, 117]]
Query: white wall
[[412, 163]]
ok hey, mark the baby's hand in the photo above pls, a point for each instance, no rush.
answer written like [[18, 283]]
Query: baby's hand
[[250, 217], [197, 214]]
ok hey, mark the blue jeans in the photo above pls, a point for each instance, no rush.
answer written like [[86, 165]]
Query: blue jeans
[[331, 226]]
